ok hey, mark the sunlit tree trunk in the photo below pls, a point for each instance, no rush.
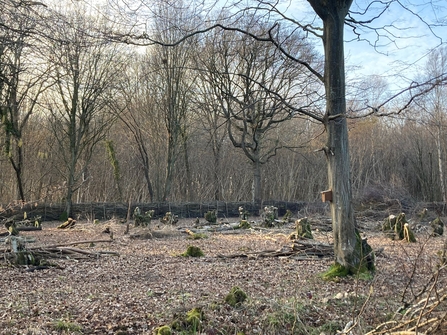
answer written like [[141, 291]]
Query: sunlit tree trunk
[[440, 163], [347, 244]]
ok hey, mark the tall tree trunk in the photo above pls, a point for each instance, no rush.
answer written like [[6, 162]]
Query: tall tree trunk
[[18, 169], [186, 185], [216, 175], [169, 169], [440, 163], [148, 181], [347, 243], [70, 182], [72, 134], [339, 177], [256, 195]]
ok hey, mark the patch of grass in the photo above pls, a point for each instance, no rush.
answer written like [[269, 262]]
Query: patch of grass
[[193, 317], [189, 323], [286, 315], [297, 318], [330, 327], [365, 275], [62, 325]]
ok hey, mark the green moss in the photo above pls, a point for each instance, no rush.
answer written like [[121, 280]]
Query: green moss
[[335, 271], [211, 216], [303, 229], [236, 297], [244, 224], [364, 270], [193, 251], [197, 236], [163, 330]]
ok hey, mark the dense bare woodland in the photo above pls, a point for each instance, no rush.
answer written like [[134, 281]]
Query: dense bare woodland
[[113, 123], [178, 104]]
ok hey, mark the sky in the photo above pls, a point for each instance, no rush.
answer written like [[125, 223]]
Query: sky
[[400, 52], [402, 49]]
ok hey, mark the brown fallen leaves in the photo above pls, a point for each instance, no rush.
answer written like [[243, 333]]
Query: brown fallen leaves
[[144, 284]]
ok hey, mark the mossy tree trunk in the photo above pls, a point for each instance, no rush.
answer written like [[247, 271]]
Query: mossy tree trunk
[[348, 246]]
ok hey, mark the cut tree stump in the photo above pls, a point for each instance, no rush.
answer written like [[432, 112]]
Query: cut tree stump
[[397, 228], [303, 229]]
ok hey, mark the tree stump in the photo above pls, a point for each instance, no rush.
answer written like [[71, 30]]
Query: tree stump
[[288, 216], [269, 215], [11, 227], [397, 228], [303, 229], [438, 227], [243, 214], [211, 216], [169, 218], [142, 219]]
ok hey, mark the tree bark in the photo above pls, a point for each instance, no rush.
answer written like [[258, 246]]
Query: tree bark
[[347, 243], [257, 188], [440, 163]]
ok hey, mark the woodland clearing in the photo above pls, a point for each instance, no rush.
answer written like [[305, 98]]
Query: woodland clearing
[[148, 284]]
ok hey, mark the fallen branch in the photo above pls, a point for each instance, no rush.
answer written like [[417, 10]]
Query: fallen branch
[[415, 322], [59, 245], [72, 243], [34, 255], [304, 249]]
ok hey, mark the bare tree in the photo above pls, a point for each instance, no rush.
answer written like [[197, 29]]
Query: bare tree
[[208, 113], [255, 87], [434, 105], [86, 69], [172, 82], [348, 245], [136, 110], [23, 77]]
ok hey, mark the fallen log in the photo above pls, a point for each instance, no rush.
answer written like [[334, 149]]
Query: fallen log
[[71, 243], [21, 257], [304, 249], [29, 228], [70, 223]]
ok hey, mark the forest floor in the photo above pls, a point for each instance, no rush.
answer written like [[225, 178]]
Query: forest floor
[[148, 284]]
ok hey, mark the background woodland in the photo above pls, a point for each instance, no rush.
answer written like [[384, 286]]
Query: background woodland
[[212, 118]]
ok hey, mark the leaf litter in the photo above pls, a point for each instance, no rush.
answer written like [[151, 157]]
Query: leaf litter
[[139, 284]]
